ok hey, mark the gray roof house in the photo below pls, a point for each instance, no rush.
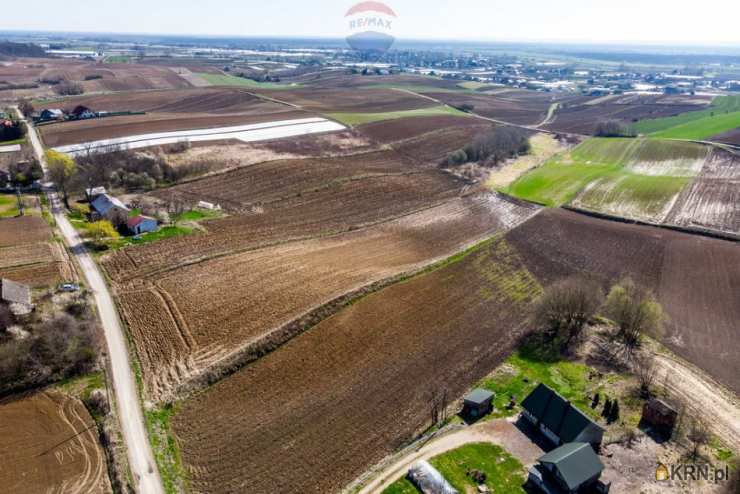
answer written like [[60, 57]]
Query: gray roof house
[[106, 204], [15, 293], [571, 468], [558, 419]]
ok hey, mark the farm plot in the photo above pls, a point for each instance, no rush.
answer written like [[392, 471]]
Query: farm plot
[[408, 128], [713, 198], [28, 254], [518, 107], [635, 178], [345, 100], [697, 279], [719, 107], [581, 117], [50, 444], [166, 111], [361, 378], [237, 305]]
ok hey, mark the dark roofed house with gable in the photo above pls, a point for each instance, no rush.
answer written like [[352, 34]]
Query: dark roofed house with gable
[[559, 420], [571, 468]]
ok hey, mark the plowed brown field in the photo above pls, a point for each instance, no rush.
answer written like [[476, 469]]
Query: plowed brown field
[[28, 254], [315, 414], [213, 309], [697, 279], [518, 107], [581, 117], [50, 445], [349, 100]]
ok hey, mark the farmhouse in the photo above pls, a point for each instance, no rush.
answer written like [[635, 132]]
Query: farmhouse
[[571, 468], [107, 206], [17, 295], [141, 224], [478, 403], [558, 420]]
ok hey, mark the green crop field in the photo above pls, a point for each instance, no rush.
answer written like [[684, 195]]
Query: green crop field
[[636, 178], [230, 80], [721, 116], [363, 118]]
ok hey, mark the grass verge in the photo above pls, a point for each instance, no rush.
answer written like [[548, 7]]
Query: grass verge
[[165, 447]]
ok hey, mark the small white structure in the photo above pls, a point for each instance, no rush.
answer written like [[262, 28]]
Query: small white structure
[[428, 479], [208, 205]]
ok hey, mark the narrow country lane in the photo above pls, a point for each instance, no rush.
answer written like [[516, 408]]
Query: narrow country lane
[[141, 459]]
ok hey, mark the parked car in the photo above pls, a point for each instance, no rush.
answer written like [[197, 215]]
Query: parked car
[[69, 287]]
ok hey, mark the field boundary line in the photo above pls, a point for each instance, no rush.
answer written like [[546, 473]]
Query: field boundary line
[[716, 234]]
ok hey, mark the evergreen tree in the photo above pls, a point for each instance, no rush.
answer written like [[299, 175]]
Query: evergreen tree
[[614, 415], [607, 411]]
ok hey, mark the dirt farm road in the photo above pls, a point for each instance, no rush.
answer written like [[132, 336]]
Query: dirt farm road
[[501, 432], [702, 395], [140, 457]]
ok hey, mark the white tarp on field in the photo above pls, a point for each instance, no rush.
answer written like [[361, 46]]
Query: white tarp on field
[[15, 148], [428, 479], [246, 133]]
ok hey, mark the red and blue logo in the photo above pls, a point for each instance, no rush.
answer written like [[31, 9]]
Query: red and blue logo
[[370, 26]]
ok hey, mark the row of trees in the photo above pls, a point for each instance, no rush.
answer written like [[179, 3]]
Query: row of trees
[[565, 309], [613, 128], [54, 349], [492, 147], [115, 168]]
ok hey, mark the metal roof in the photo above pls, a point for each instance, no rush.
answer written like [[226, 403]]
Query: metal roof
[[479, 396], [15, 293], [576, 463], [556, 413]]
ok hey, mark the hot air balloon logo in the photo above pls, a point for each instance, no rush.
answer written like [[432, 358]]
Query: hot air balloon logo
[[370, 27]]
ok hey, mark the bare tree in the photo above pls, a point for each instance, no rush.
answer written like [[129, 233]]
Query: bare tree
[[566, 307], [646, 372], [698, 435]]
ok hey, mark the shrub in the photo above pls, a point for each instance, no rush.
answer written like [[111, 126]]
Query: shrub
[[101, 230], [612, 128], [497, 145], [635, 312], [66, 88]]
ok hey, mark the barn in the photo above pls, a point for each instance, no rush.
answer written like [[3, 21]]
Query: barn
[[142, 224]]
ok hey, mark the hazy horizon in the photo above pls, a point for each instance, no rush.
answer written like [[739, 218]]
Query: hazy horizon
[[537, 21]]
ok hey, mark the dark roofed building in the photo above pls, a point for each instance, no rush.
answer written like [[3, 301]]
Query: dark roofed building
[[571, 468], [15, 293], [478, 403], [558, 419]]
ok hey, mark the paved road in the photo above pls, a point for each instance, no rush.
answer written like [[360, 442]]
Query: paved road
[[246, 133], [141, 459]]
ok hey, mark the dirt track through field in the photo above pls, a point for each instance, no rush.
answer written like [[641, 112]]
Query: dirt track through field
[[50, 444], [704, 396]]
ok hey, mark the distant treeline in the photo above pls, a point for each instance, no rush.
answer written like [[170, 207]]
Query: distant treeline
[[21, 49]]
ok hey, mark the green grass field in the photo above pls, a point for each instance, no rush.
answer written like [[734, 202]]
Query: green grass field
[[364, 118], [230, 80], [504, 473], [721, 116], [626, 177], [703, 128], [8, 206]]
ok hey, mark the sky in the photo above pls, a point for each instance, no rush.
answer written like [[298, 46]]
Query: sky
[[651, 21]]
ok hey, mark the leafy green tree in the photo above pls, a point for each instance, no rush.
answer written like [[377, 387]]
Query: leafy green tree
[[62, 171], [102, 230], [635, 312]]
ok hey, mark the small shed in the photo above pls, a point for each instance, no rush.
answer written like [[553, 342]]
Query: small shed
[[659, 414], [142, 224], [15, 293], [478, 403], [51, 114]]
